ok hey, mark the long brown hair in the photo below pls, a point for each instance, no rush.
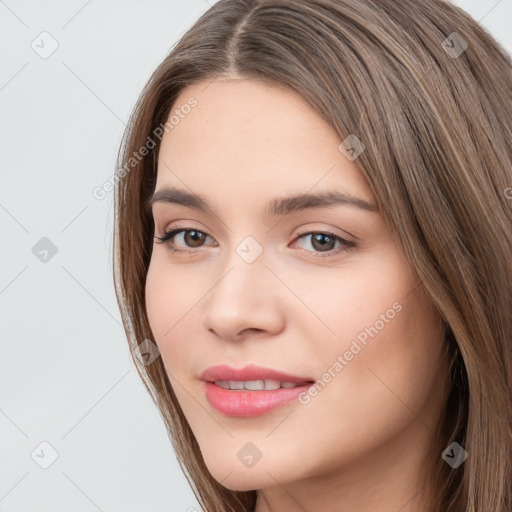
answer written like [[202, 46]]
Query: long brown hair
[[429, 93]]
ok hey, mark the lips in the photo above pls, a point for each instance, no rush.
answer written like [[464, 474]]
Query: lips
[[250, 372], [238, 392]]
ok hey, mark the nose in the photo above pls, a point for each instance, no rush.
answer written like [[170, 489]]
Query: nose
[[247, 299]]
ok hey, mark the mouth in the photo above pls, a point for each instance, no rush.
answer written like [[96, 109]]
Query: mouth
[[252, 375], [258, 385], [252, 390]]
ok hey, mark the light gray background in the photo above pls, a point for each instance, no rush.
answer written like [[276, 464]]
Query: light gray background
[[65, 371]]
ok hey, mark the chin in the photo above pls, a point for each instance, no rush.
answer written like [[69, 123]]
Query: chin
[[241, 478], [242, 484]]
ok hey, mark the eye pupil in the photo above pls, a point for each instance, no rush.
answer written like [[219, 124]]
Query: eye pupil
[[196, 236], [318, 237]]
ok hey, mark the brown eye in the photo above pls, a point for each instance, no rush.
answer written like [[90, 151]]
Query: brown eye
[[325, 242], [194, 238]]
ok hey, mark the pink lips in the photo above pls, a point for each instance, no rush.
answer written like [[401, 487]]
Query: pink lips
[[249, 372], [244, 403]]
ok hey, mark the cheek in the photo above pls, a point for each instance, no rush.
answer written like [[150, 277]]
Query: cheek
[[170, 297], [164, 307], [392, 365], [348, 302], [387, 334], [154, 297]]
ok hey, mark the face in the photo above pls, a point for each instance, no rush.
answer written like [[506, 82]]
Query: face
[[321, 292]]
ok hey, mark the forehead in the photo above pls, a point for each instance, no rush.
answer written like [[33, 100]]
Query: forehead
[[256, 136]]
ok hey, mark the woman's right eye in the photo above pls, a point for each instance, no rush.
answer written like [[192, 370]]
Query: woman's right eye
[[191, 236]]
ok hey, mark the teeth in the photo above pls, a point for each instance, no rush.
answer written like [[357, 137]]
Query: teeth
[[255, 385], [272, 384]]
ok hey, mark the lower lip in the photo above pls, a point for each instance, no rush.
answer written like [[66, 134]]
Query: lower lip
[[250, 403]]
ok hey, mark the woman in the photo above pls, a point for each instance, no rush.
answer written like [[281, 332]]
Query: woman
[[313, 256]]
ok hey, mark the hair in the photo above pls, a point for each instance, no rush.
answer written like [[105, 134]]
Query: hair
[[435, 119]]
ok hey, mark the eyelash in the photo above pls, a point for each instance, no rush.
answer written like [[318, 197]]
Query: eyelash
[[168, 235]]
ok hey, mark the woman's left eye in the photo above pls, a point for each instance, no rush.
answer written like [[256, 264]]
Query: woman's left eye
[[322, 240], [326, 241]]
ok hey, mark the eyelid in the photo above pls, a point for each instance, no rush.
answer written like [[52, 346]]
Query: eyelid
[[329, 231]]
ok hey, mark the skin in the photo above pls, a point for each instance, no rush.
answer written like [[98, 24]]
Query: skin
[[362, 442]]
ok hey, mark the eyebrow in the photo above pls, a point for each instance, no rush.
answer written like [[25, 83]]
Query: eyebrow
[[279, 206]]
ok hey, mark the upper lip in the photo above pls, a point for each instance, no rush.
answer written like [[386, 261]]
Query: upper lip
[[247, 373]]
